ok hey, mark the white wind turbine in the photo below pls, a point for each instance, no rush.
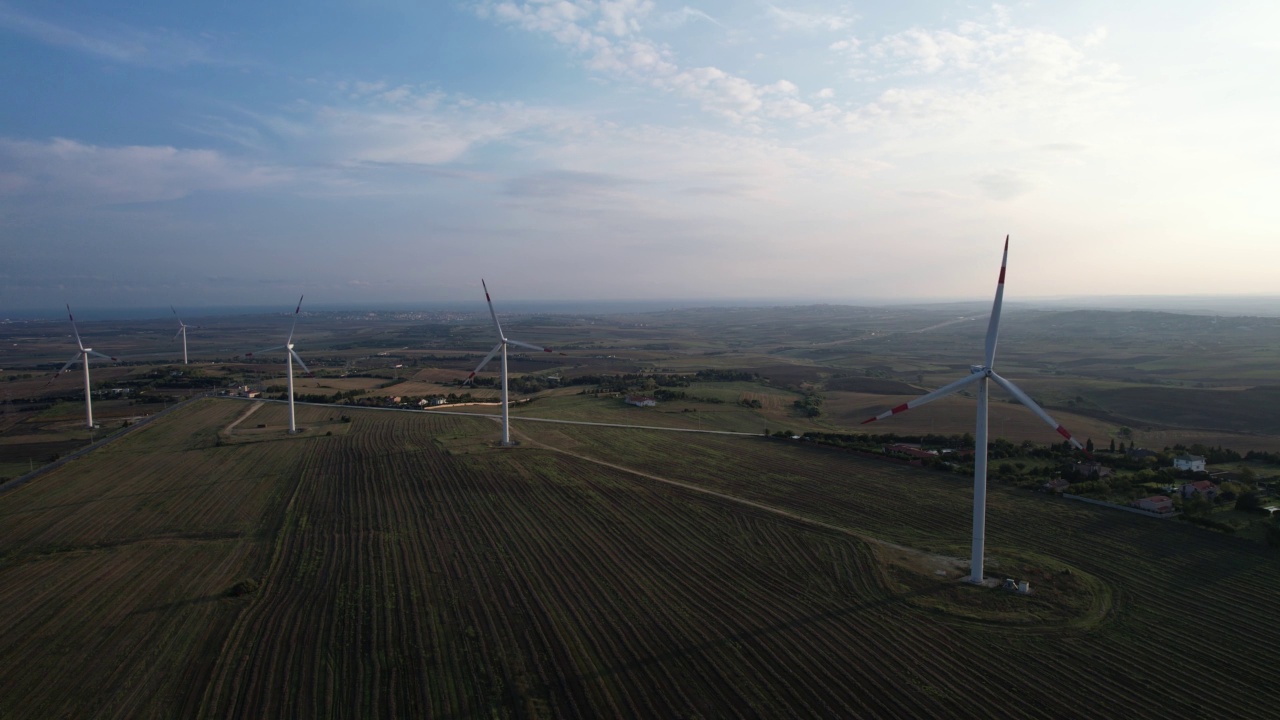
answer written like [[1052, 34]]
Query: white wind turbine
[[978, 375], [503, 341], [288, 345], [82, 355], [182, 330]]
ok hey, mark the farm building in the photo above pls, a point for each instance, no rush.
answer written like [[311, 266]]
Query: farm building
[[1055, 485], [911, 451], [1155, 503], [1204, 487], [1186, 461], [641, 401], [1093, 470]]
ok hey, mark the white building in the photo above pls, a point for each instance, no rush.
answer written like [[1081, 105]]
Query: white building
[[1186, 461]]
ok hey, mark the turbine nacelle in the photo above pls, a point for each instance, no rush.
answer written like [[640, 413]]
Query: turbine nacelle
[[978, 369]]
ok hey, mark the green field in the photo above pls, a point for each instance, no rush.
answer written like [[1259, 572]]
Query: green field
[[406, 567]]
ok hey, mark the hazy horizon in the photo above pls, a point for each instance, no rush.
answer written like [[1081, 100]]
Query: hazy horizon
[[156, 153], [1231, 305]]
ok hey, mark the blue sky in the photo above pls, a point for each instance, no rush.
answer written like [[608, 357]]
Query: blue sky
[[394, 151]]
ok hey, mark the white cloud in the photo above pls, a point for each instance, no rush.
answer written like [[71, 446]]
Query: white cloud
[[678, 18], [789, 19], [111, 40], [92, 175], [979, 72], [608, 35], [412, 126], [1095, 38]]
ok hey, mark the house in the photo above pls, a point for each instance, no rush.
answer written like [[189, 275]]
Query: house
[[1092, 470], [1186, 461], [1155, 503], [1204, 487], [641, 401], [909, 451], [1056, 485], [436, 401]]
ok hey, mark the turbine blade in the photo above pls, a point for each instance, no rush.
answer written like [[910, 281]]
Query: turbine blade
[[175, 314], [175, 335], [259, 352], [295, 319], [299, 359], [73, 327], [528, 346], [58, 374], [105, 357], [496, 349], [941, 392], [1023, 398], [993, 327], [492, 314]]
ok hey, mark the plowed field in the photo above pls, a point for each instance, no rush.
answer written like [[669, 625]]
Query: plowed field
[[407, 571]]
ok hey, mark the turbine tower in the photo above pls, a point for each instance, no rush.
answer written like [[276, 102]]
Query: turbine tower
[[288, 345], [503, 341], [978, 375], [182, 330], [82, 355]]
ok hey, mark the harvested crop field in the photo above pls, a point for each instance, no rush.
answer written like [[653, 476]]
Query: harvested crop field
[[402, 569]]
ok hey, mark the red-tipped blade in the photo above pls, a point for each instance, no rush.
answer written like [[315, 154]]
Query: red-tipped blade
[[72, 318], [941, 392], [1031, 405], [295, 320], [993, 326], [496, 325]]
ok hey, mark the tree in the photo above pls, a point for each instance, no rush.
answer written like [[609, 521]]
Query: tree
[[1113, 444], [1197, 506], [1248, 501], [1088, 446]]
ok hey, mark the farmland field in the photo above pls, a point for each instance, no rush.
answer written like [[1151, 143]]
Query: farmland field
[[407, 568]]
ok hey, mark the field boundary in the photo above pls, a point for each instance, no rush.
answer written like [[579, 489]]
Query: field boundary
[[1139, 511], [514, 418], [122, 432]]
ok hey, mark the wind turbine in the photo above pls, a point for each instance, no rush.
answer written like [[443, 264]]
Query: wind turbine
[[503, 341], [978, 375], [83, 355], [288, 345], [182, 330]]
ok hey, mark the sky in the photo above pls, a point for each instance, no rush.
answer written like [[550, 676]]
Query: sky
[[157, 153]]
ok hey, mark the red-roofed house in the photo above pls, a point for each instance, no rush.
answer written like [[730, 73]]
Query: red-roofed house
[[1155, 503], [1204, 487]]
